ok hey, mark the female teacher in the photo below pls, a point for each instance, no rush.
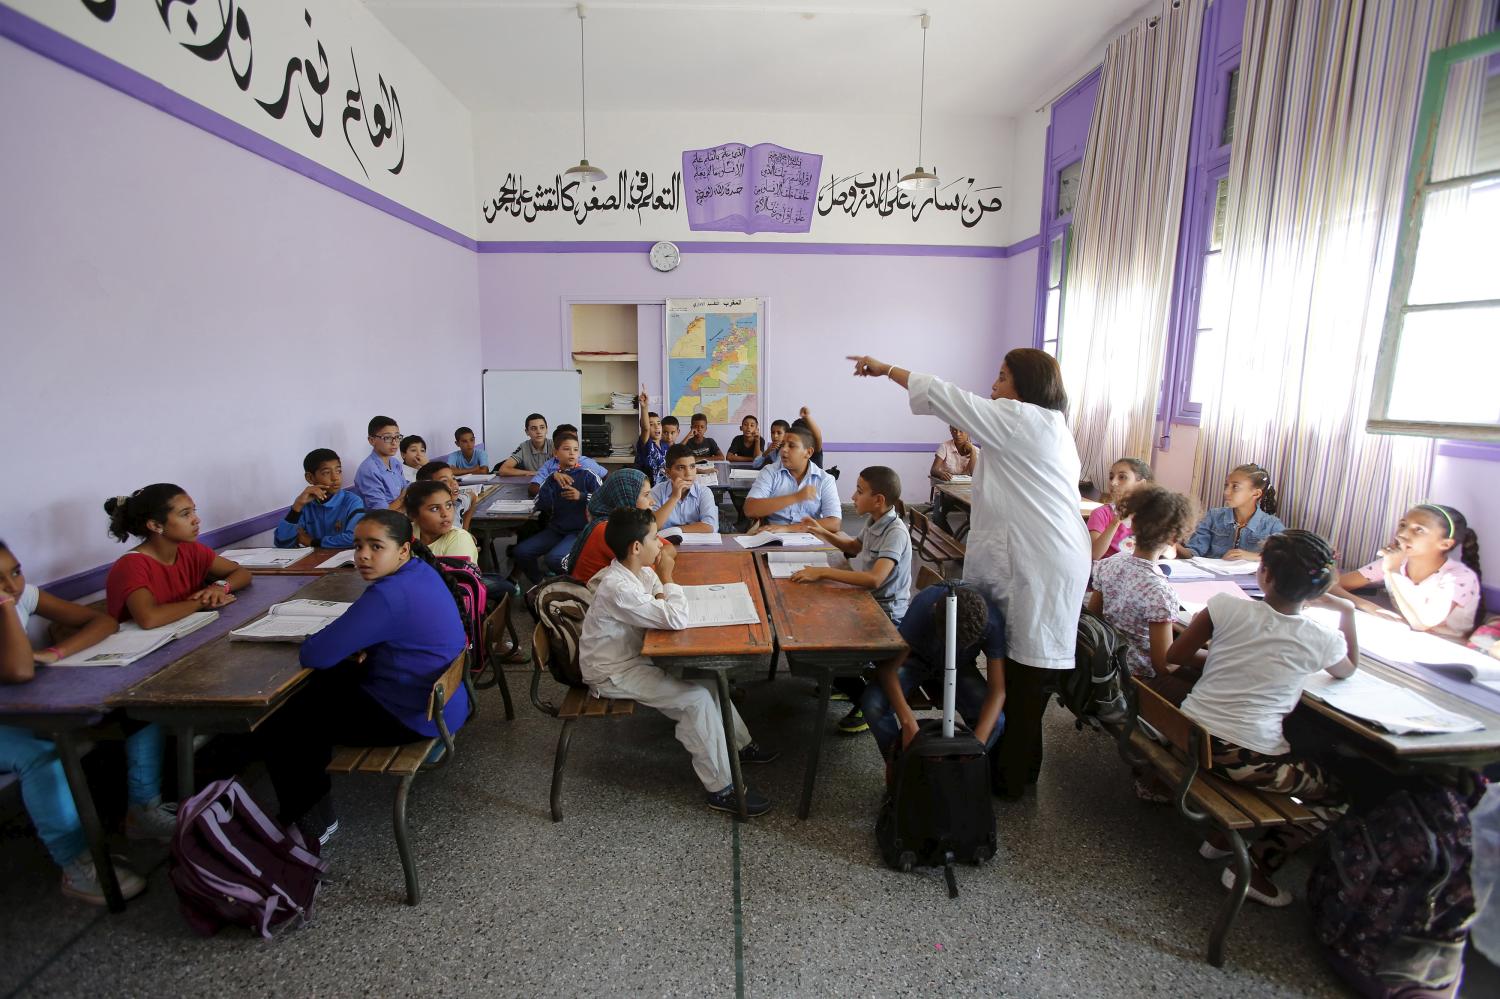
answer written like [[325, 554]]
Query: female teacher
[[1028, 549]]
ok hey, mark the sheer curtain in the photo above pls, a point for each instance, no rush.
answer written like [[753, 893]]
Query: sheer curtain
[[1125, 224], [1328, 100]]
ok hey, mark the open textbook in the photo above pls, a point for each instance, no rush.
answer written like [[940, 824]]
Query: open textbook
[[291, 621], [343, 558], [1392, 707], [784, 564], [789, 539], [133, 642], [718, 604], [265, 558]]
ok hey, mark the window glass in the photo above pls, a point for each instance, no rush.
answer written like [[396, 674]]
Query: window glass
[[1231, 97], [1445, 367], [1067, 187]]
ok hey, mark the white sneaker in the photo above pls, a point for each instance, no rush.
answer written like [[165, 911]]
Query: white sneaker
[[81, 881], [1276, 901], [156, 821], [1210, 852]]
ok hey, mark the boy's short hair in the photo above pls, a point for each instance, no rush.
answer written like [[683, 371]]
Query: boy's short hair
[[563, 428], [676, 453], [670, 421], [883, 482], [535, 416], [625, 527], [379, 423], [781, 424], [461, 431], [804, 435], [559, 438], [431, 469], [417, 493], [973, 617], [653, 416], [407, 442], [318, 457], [699, 416]]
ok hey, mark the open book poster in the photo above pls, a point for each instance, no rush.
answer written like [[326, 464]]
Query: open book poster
[[291, 621], [738, 188]]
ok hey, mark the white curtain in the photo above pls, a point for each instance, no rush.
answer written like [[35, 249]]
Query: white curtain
[[1329, 91], [1124, 240]]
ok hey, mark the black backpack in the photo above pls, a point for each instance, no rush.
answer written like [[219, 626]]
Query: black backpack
[[1094, 689]]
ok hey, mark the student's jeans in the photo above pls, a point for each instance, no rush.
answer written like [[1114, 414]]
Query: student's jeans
[[44, 788], [541, 554], [972, 688]]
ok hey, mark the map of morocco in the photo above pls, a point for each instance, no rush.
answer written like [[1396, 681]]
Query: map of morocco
[[693, 342]]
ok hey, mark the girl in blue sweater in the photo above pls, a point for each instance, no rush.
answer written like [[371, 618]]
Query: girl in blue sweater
[[376, 665]]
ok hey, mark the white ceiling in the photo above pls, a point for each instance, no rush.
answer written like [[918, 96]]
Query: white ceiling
[[984, 57]]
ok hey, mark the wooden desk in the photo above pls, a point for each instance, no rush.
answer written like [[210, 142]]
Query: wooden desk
[[826, 630], [228, 686], [62, 701], [310, 564], [731, 546], [717, 650]]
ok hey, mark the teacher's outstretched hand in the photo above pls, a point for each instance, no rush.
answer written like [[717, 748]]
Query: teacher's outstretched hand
[[868, 367]]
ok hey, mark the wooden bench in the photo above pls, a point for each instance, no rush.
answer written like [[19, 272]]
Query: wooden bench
[[576, 704], [405, 762], [1203, 798], [933, 543]]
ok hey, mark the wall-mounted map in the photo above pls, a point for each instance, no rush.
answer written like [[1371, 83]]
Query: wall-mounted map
[[713, 358]]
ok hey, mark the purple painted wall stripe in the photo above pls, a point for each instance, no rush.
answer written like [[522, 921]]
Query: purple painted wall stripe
[[1472, 450], [752, 246], [857, 447], [92, 580]]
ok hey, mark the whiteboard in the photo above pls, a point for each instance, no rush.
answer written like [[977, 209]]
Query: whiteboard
[[510, 396]]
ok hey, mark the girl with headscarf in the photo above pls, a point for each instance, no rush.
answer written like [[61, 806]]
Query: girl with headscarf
[[624, 487]]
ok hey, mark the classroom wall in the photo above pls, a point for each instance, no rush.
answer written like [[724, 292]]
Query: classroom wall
[[176, 308], [952, 315]]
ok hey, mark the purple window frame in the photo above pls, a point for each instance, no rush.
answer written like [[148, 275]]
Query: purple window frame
[[1063, 150], [1208, 163]]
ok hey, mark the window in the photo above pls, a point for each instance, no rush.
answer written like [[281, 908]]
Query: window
[[1067, 138], [1232, 96], [1067, 188], [1057, 259], [1440, 345], [1208, 334]]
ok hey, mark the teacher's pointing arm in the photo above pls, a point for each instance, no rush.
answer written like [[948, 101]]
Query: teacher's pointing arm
[[989, 422]]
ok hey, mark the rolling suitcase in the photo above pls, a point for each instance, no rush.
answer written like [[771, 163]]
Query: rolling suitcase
[[938, 810]]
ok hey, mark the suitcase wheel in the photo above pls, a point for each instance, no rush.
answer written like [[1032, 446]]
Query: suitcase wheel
[[906, 861]]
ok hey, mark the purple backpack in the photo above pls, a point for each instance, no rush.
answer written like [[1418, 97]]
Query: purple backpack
[[233, 865], [1390, 896], [473, 606]]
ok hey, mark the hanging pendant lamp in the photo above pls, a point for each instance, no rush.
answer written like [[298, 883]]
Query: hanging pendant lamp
[[583, 170], [921, 179]]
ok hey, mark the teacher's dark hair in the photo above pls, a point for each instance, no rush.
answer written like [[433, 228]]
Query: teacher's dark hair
[[1037, 378]]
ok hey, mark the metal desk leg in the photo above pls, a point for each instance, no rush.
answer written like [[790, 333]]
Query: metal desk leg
[[185, 739], [83, 800], [726, 708], [825, 683]]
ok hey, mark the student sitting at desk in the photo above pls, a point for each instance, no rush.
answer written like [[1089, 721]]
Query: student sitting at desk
[[565, 496], [772, 452], [169, 575], [1431, 590], [698, 443], [532, 453], [747, 444], [630, 597], [804, 421], [980, 701], [681, 500], [650, 452], [550, 466], [880, 561], [470, 458], [379, 480], [324, 514], [1261, 656], [954, 456], [1239, 528], [430, 506], [375, 665], [786, 493], [626, 488], [413, 456], [1109, 527], [463, 500], [670, 428], [44, 787]]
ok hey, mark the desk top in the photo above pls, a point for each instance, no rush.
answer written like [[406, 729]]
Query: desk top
[[700, 568], [241, 675], [88, 690], [828, 617], [728, 544], [963, 492], [507, 489], [308, 565]]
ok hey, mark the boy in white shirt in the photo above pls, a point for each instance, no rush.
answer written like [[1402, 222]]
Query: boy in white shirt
[[630, 597]]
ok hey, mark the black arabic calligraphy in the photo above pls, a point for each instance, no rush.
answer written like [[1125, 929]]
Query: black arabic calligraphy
[[634, 191], [878, 193]]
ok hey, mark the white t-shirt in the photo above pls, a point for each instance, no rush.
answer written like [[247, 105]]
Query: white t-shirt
[[34, 627], [1258, 662]]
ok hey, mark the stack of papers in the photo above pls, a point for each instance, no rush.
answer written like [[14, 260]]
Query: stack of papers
[[621, 400], [511, 507], [788, 539], [702, 539], [291, 621], [264, 558], [1183, 569], [784, 564], [720, 604], [474, 480], [133, 642], [749, 474], [1391, 707], [1227, 567], [960, 480]]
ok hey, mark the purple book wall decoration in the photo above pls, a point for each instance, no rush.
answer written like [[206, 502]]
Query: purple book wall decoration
[[740, 188]]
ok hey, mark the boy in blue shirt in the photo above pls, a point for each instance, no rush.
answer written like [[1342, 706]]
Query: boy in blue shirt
[[324, 514], [565, 495], [470, 458], [650, 451], [787, 493], [550, 467], [379, 480], [680, 500]]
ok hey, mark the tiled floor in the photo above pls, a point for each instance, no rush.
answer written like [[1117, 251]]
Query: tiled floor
[[1093, 893]]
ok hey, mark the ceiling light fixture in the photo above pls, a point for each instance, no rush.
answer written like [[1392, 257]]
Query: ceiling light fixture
[[584, 170], [921, 179]]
